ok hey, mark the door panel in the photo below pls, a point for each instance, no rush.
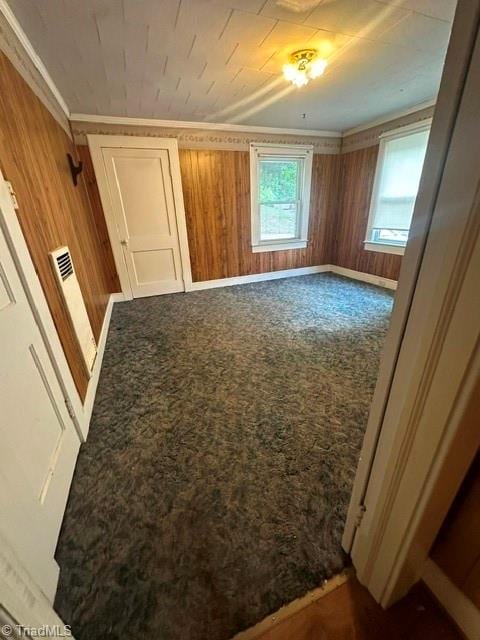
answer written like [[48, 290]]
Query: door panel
[[141, 193], [144, 204], [39, 444], [46, 422], [149, 263]]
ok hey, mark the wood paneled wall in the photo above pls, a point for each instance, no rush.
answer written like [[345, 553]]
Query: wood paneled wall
[[53, 212], [357, 174], [216, 188]]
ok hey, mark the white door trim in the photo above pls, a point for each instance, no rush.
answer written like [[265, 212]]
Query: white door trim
[[433, 348], [96, 143], [455, 70], [36, 297], [81, 412]]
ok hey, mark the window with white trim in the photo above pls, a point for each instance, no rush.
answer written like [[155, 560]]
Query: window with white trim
[[280, 178], [399, 168]]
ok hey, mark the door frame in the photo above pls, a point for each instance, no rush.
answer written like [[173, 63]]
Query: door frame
[[98, 142], [414, 459], [21, 597], [79, 412]]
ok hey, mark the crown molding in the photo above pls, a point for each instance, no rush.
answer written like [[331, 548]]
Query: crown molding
[[37, 62], [389, 117], [407, 128], [197, 138], [225, 126], [214, 126], [32, 55]]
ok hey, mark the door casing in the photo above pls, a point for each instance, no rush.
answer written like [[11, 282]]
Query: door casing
[[26, 269], [41, 443], [98, 142], [408, 452]]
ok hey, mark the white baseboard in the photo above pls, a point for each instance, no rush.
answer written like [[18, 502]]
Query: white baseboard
[[93, 383], [364, 277], [117, 297], [257, 277], [288, 273], [456, 604]]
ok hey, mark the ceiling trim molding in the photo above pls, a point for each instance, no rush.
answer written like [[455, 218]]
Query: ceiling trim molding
[[214, 126], [389, 117], [205, 138], [371, 135], [35, 59], [33, 55], [412, 127]]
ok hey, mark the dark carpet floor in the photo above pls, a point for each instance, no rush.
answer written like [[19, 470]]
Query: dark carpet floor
[[215, 481]]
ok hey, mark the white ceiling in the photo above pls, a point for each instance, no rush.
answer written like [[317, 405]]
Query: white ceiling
[[221, 60]]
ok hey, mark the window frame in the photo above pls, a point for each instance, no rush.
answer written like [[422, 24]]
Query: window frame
[[283, 151], [373, 245]]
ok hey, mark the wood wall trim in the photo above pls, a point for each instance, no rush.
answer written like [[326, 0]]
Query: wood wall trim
[[52, 211]]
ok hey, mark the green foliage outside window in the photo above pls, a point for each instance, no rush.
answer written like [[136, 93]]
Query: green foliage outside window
[[278, 180]]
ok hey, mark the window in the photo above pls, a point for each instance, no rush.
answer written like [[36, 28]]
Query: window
[[280, 196], [399, 167]]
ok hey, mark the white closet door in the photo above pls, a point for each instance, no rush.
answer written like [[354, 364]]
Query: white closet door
[[39, 444], [141, 194]]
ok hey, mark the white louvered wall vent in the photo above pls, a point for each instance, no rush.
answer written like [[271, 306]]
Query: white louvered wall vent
[[68, 283]]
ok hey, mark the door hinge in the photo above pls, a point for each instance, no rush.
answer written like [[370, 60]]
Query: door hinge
[[360, 513], [12, 194], [70, 410]]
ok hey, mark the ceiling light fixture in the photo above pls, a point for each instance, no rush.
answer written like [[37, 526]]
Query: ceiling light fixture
[[304, 65]]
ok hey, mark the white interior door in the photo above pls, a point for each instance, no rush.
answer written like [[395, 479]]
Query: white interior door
[[39, 444], [141, 195]]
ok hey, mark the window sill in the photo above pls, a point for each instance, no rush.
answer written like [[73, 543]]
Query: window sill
[[279, 246], [383, 247]]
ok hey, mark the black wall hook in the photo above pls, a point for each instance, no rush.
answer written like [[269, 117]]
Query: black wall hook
[[75, 170]]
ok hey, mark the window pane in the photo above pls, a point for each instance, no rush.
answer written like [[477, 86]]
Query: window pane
[[399, 179], [391, 236], [279, 180], [278, 221]]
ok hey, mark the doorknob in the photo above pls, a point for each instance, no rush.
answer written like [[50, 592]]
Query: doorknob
[[123, 242]]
